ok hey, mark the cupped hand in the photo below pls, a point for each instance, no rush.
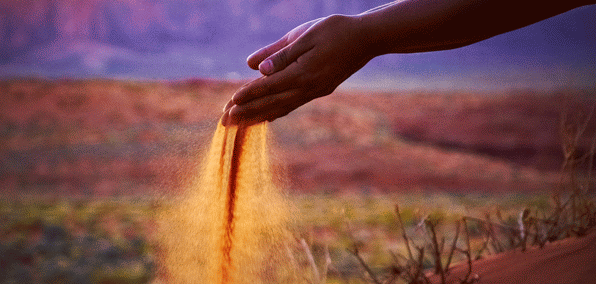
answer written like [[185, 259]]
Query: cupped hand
[[308, 62]]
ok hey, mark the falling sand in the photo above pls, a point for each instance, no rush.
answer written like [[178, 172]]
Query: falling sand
[[231, 224]]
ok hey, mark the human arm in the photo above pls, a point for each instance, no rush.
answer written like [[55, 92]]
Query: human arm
[[325, 52], [432, 25]]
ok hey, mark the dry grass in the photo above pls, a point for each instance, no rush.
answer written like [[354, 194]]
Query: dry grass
[[573, 214]]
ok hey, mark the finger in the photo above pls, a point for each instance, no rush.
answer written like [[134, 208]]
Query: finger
[[269, 108], [269, 115], [283, 110], [228, 105], [273, 113], [226, 113], [284, 57], [258, 56], [267, 85], [262, 104], [225, 118]]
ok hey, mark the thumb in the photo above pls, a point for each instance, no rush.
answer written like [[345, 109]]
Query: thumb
[[284, 57]]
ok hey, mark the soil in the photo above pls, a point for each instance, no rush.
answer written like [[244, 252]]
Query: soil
[[564, 262]]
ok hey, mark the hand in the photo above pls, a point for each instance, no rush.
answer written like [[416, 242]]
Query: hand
[[254, 60], [308, 62]]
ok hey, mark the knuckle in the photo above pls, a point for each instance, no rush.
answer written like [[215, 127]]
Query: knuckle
[[335, 18], [282, 58]]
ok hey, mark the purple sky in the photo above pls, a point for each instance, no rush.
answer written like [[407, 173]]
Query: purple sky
[[155, 39]]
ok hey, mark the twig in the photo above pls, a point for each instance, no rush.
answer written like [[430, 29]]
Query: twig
[[311, 261], [364, 265], [403, 231], [453, 245], [467, 253], [419, 268], [436, 250]]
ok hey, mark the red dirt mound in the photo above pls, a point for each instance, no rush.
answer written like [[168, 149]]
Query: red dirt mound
[[571, 260]]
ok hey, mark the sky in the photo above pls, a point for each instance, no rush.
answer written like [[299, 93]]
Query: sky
[[177, 40]]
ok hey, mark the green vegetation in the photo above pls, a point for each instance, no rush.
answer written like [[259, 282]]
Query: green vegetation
[[62, 241], [109, 241]]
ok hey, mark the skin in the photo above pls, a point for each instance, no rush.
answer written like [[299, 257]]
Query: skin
[[311, 60]]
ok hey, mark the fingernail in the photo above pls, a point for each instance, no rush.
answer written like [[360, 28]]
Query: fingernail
[[266, 67], [224, 119], [227, 106], [231, 119]]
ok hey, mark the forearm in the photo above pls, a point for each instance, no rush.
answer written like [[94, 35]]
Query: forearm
[[381, 7], [430, 25]]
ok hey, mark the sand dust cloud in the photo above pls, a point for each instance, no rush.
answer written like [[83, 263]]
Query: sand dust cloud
[[231, 225]]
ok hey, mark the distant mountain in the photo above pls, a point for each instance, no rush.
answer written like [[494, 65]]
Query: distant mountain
[[106, 38], [147, 24], [196, 38]]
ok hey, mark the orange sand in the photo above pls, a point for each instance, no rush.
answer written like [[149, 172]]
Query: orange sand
[[231, 225]]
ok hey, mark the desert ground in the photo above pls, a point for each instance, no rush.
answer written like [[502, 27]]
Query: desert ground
[[566, 261]]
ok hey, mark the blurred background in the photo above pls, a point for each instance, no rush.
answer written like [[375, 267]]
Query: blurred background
[[106, 107], [186, 38]]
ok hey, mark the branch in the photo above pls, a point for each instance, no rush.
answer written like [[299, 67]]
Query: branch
[[403, 232], [366, 267]]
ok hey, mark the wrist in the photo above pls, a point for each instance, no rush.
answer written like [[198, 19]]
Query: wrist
[[368, 36], [381, 35], [413, 26]]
